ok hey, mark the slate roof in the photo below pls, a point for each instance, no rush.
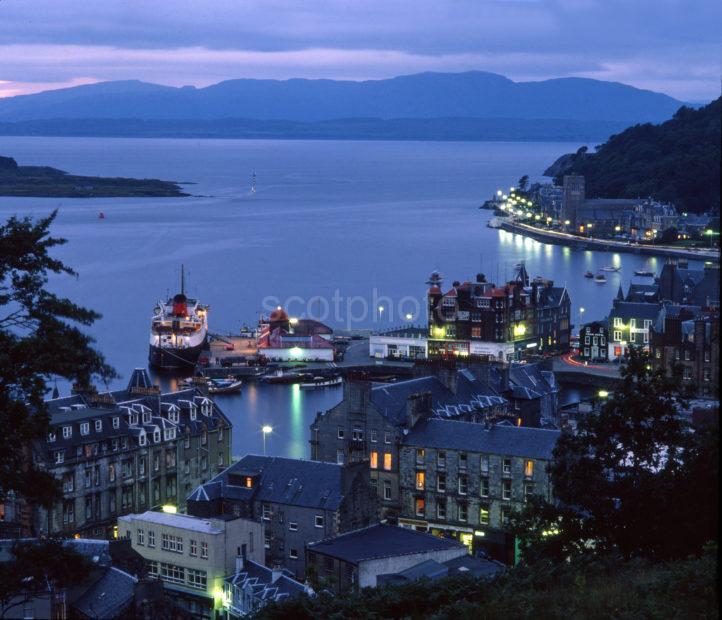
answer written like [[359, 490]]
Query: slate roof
[[108, 596], [635, 310], [642, 292], [380, 541], [260, 580], [534, 443], [529, 381], [294, 482], [471, 394]]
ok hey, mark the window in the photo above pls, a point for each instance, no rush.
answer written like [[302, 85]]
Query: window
[[506, 467], [462, 460], [617, 335], [441, 509], [420, 506], [151, 538], [441, 483], [340, 433], [172, 573], [463, 484], [156, 436], [60, 456], [484, 516], [84, 428], [463, 511], [387, 490], [387, 437], [357, 434], [686, 355], [197, 579], [98, 425], [220, 459], [204, 462], [266, 512], [204, 438], [267, 541], [420, 480], [293, 553], [51, 437], [505, 512], [441, 459], [528, 491], [484, 464], [140, 538], [387, 461], [374, 435], [187, 441], [170, 458], [156, 461], [193, 548], [86, 476], [632, 323], [318, 521], [292, 526], [68, 483], [204, 550], [152, 568], [374, 460], [340, 457], [617, 322], [586, 339], [506, 489], [420, 454], [528, 468]]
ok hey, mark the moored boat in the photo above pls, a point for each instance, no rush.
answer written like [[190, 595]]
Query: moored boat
[[280, 377], [224, 386], [588, 274], [600, 278], [321, 382], [610, 268], [644, 274]]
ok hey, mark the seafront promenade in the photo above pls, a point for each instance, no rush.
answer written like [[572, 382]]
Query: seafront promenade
[[590, 243]]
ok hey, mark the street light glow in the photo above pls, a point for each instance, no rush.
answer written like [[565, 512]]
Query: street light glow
[[266, 429]]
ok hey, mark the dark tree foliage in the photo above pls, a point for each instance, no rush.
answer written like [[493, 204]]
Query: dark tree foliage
[[35, 567], [633, 479], [39, 340], [677, 161]]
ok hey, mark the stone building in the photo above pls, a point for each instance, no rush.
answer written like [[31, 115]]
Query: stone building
[[465, 480], [297, 501], [688, 337], [593, 342], [368, 424], [684, 285], [128, 451], [192, 556]]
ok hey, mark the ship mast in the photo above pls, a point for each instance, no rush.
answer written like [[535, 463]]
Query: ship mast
[[183, 280]]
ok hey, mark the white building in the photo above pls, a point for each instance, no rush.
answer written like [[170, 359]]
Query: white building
[[193, 555], [403, 343]]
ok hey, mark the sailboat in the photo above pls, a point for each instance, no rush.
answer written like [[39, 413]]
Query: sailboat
[[253, 184]]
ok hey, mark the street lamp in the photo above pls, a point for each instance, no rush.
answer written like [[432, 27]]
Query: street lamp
[[381, 312], [581, 312], [409, 316], [266, 430]]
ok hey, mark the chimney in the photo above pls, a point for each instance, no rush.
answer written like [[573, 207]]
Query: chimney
[[446, 373], [357, 391], [418, 406]]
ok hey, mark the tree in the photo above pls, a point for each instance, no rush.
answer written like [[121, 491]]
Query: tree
[[523, 183], [669, 235], [619, 479], [39, 341], [35, 568]]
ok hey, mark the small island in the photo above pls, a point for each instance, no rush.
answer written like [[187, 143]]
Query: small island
[[43, 181]]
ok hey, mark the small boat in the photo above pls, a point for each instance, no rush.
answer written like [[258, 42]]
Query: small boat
[[322, 382], [191, 382], [588, 274], [285, 378], [224, 386], [600, 278], [253, 184], [644, 274], [610, 268], [101, 215]]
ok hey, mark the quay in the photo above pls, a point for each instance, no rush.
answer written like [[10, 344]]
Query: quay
[[610, 245]]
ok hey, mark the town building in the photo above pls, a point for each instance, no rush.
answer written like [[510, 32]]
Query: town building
[[367, 425], [356, 559], [252, 586], [405, 343], [298, 502], [628, 325], [688, 337], [283, 338], [573, 195], [464, 480], [192, 556], [128, 451], [684, 285], [513, 321], [593, 339]]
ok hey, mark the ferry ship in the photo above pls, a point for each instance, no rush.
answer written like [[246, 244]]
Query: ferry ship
[[178, 332]]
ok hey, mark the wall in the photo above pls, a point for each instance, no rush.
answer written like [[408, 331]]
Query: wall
[[370, 569]]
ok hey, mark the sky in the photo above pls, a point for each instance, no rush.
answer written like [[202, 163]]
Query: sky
[[671, 46]]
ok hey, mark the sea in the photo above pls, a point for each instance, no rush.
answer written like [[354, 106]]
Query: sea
[[342, 231]]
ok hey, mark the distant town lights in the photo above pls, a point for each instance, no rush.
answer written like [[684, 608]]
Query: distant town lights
[[409, 316], [265, 429], [499, 193]]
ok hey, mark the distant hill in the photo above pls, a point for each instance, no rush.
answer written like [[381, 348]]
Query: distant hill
[[677, 161], [450, 96]]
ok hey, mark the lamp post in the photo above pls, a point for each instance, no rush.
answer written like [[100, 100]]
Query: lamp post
[[265, 430], [381, 312], [581, 312]]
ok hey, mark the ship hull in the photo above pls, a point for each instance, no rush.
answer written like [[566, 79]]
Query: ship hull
[[169, 358]]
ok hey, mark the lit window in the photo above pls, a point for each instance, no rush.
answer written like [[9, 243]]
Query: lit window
[[420, 480], [374, 460], [420, 453], [420, 506], [387, 461], [484, 516], [529, 468], [249, 482]]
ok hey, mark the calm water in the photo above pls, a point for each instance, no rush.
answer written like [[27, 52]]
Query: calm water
[[336, 229]]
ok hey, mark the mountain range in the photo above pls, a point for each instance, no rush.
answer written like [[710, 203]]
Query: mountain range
[[449, 96]]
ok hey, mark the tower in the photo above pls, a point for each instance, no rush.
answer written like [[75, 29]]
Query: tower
[[572, 198]]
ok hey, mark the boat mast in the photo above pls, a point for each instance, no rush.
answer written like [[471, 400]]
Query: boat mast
[[183, 280]]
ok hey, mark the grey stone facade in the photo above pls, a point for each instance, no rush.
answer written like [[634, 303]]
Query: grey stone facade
[[126, 452]]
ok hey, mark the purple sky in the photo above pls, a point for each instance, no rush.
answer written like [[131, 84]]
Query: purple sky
[[673, 46]]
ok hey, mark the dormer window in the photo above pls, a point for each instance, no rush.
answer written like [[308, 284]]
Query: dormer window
[[133, 419], [156, 436], [116, 422], [67, 432], [193, 413], [84, 428], [98, 426], [146, 417], [51, 437], [142, 439]]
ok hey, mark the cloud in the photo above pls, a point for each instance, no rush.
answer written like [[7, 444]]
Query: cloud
[[667, 45]]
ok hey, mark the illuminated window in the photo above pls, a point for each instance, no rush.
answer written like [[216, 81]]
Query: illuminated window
[[484, 516], [249, 482], [529, 468], [420, 453], [387, 461], [374, 460], [420, 506], [420, 480]]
